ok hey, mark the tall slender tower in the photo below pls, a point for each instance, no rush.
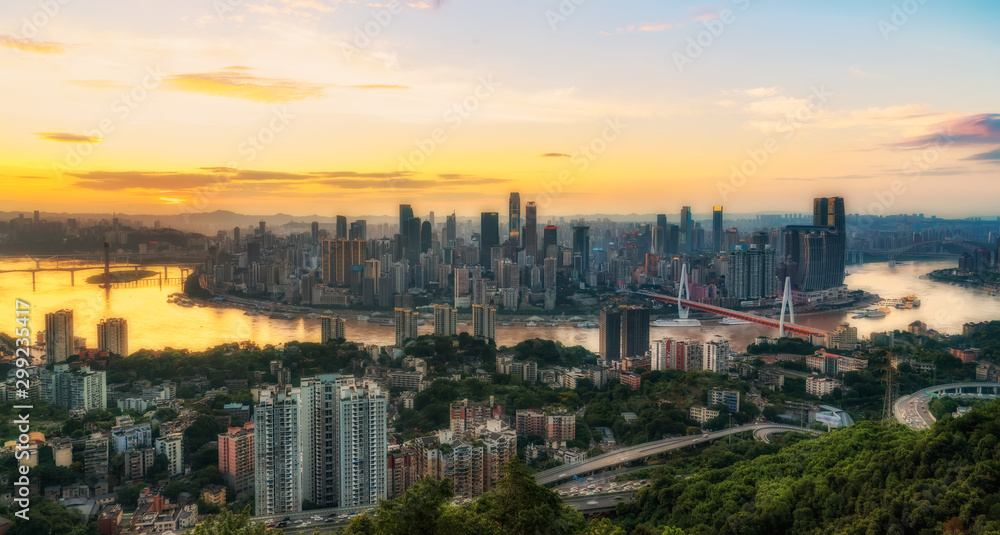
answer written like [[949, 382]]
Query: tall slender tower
[[717, 234], [531, 232], [514, 233]]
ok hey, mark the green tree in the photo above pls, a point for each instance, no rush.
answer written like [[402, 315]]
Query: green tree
[[229, 523], [603, 526], [519, 505]]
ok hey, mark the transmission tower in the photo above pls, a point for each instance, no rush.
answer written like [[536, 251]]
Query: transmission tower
[[891, 393]]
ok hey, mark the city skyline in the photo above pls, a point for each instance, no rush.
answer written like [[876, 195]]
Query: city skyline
[[204, 110]]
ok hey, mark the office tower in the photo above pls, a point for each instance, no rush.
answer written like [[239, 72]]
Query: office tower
[[514, 234], [717, 241], [413, 246], [277, 453], [236, 235], [752, 274], [405, 215], [829, 212], [686, 230], [661, 243], [385, 291], [319, 434], [425, 236], [549, 237], [815, 254], [262, 228], [331, 329], [236, 457], [489, 231], [314, 233], [549, 273], [363, 445], [451, 230], [406, 325], [611, 333], [484, 321], [445, 320], [74, 389], [343, 261], [358, 231], [112, 336], [58, 336], [635, 331], [581, 250], [170, 445], [341, 232], [531, 232]]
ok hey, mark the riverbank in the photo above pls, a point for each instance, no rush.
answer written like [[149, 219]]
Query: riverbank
[[122, 276]]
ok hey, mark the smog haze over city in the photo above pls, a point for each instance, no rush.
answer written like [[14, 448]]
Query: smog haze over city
[[463, 267]]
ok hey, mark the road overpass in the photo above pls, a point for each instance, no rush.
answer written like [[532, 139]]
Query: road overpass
[[650, 449], [912, 410], [729, 313]]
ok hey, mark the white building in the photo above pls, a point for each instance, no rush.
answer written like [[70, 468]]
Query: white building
[[445, 321], [362, 444], [58, 336], [112, 336], [820, 386], [277, 453], [484, 321], [170, 446], [406, 325], [320, 439], [79, 389], [715, 357], [331, 329]]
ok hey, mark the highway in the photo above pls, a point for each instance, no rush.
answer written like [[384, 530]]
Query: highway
[[912, 411], [650, 449], [600, 502]]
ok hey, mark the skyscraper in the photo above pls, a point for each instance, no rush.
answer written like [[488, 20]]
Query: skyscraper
[[413, 246], [635, 331], [815, 254], [236, 456], [531, 232], [277, 453], [58, 336], [405, 214], [314, 232], [362, 445], [112, 336], [611, 333], [581, 250], [829, 211], [662, 236], [687, 230], [425, 236], [341, 227], [514, 233], [450, 230], [484, 321], [717, 233], [489, 230], [319, 434], [445, 320], [752, 274], [343, 261]]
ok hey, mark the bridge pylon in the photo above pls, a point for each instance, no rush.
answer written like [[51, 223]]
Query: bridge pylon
[[786, 302], [683, 292]]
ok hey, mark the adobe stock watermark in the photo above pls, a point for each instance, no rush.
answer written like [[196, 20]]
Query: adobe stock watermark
[[562, 12], [581, 159], [711, 31], [788, 127], [250, 147], [899, 16], [378, 20], [47, 10], [121, 109], [454, 117], [913, 169], [223, 8]]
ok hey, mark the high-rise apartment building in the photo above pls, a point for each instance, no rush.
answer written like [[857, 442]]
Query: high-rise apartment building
[[484, 321], [170, 445], [341, 227], [236, 457], [112, 336], [331, 329], [277, 453], [406, 325], [362, 444], [319, 435], [58, 336], [752, 274], [715, 357], [343, 261], [74, 389], [445, 320], [634, 331], [611, 334]]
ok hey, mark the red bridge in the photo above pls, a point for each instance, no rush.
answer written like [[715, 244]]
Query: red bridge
[[728, 313]]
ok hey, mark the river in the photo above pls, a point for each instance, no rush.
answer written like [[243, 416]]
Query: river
[[155, 324]]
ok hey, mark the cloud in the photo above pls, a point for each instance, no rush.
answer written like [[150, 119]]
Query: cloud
[[641, 28], [98, 84], [976, 129], [858, 72], [237, 82], [27, 45], [704, 13], [555, 155], [756, 92], [380, 86], [267, 182], [65, 137], [991, 156], [819, 178]]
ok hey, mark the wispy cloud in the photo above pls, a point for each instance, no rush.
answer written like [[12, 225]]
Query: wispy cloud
[[238, 82], [991, 156], [65, 137], [982, 128], [380, 86], [555, 155], [755, 92], [28, 45]]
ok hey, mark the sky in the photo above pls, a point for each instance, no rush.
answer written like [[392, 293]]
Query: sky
[[583, 106]]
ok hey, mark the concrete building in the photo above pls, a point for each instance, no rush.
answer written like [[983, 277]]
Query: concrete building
[[112, 336], [236, 457], [277, 453], [362, 444], [729, 398], [821, 386], [331, 329], [484, 321], [406, 325], [445, 320], [170, 445], [59, 341], [74, 389]]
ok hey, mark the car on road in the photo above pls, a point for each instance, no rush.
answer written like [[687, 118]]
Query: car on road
[[592, 502]]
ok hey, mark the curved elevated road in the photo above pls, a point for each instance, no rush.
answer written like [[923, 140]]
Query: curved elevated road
[[650, 449], [912, 410]]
